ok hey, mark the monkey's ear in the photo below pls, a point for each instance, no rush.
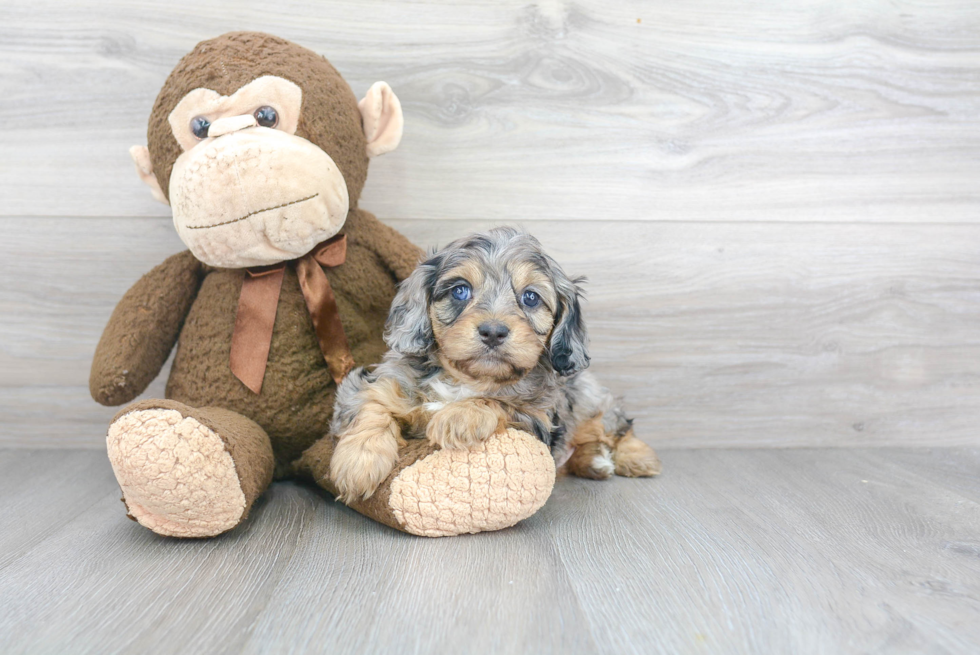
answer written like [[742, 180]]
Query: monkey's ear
[[144, 168], [383, 121]]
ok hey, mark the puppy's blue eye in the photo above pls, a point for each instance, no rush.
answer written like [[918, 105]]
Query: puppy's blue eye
[[461, 292], [530, 299]]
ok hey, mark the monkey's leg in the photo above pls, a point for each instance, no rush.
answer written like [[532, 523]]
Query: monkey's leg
[[187, 472], [437, 493]]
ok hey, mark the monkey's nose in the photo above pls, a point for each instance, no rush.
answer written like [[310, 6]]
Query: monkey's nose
[[493, 333], [231, 124]]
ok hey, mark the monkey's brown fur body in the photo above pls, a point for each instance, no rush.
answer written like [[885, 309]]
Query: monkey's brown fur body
[[177, 460], [297, 396]]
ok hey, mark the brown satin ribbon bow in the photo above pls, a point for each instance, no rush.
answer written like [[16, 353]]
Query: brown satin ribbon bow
[[257, 306]]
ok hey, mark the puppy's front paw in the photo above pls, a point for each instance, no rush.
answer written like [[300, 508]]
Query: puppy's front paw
[[465, 423], [361, 462], [635, 459]]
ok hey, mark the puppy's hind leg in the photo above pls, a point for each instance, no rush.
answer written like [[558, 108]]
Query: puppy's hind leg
[[603, 439], [605, 445], [635, 459], [593, 454], [632, 457]]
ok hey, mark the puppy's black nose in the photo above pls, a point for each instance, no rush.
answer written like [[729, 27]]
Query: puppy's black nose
[[493, 333]]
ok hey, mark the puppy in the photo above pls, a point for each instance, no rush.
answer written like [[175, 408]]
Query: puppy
[[484, 335]]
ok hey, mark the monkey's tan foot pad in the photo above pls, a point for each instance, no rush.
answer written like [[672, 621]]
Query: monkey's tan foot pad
[[490, 486], [176, 476]]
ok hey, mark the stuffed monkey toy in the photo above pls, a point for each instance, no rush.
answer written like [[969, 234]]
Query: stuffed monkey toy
[[261, 149]]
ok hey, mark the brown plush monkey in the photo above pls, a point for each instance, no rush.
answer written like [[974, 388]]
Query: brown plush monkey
[[262, 150]]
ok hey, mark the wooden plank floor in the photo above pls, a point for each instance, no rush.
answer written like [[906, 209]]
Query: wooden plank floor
[[730, 551]]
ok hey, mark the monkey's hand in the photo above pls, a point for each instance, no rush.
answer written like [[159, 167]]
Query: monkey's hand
[[143, 330], [466, 423]]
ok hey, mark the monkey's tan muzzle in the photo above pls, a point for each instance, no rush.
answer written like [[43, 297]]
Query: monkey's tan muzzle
[[254, 196]]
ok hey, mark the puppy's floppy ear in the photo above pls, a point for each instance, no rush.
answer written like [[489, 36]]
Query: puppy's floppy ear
[[569, 344], [409, 330]]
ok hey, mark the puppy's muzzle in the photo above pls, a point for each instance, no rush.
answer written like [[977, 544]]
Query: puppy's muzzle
[[493, 333]]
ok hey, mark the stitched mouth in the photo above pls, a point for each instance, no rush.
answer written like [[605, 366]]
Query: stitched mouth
[[250, 214]]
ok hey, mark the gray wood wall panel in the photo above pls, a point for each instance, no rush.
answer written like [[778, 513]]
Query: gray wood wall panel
[[715, 334], [815, 110], [777, 202]]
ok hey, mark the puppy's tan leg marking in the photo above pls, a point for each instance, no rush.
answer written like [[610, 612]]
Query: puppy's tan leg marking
[[633, 458], [367, 451], [599, 454], [465, 423], [591, 460], [593, 451]]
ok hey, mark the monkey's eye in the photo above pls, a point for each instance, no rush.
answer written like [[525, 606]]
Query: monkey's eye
[[266, 116], [199, 126], [461, 292], [530, 299]]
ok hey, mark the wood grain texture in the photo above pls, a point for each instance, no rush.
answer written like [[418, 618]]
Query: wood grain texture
[[749, 551], [776, 203], [819, 110], [715, 334]]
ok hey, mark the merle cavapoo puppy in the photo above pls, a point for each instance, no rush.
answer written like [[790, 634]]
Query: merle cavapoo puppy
[[484, 335]]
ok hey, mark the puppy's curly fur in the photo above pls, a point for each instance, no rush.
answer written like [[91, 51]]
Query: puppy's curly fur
[[484, 335]]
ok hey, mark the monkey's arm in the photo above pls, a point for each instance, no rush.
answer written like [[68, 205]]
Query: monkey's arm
[[143, 329], [398, 253]]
